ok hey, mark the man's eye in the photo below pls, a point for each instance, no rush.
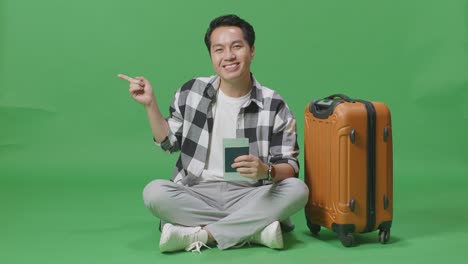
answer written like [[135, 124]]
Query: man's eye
[[218, 50]]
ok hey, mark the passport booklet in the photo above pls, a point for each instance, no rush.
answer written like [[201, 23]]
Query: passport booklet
[[233, 148]]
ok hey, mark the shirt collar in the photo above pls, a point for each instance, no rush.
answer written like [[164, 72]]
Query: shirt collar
[[256, 96]]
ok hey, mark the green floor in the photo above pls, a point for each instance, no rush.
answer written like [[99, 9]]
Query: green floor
[[95, 215]]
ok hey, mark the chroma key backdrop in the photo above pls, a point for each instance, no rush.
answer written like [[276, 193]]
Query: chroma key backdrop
[[76, 150]]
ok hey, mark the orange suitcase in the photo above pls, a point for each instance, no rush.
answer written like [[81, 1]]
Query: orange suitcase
[[349, 167]]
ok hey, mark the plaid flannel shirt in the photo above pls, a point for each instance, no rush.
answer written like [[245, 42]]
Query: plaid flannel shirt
[[264, 119]]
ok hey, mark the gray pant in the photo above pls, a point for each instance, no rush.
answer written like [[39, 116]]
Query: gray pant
[[230, 211]]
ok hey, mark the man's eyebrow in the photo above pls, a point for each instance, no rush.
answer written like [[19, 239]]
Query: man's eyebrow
[[221, 45], [238, 42]]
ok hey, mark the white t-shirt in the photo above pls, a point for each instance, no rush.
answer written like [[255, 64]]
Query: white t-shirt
[[225, 111]]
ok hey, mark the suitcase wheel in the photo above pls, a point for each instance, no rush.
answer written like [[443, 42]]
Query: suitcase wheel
[[314, 228], [384, 236], [347, 239]]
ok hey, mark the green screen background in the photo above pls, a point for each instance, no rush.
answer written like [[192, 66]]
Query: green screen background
[[76, 150]]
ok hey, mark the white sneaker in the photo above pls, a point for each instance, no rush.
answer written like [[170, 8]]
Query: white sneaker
[[271, 236], [174, 238]]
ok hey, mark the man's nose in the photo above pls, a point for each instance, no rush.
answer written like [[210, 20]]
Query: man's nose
[[230, 55]]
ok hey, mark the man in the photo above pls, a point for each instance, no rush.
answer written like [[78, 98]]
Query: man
[[199, 206]]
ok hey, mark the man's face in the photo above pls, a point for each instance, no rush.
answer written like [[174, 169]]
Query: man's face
[[230, 53]]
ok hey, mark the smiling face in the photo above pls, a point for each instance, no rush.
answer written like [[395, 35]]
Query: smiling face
[[231, 54]]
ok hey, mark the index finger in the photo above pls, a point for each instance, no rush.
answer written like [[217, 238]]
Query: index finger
[[125, 77], [242, 158]]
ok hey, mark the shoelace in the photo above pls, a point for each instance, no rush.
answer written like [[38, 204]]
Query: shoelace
[[196, 246], [247, 242]]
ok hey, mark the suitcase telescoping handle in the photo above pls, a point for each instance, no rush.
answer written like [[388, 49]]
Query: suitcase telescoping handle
[[323, 108], [341, 96]]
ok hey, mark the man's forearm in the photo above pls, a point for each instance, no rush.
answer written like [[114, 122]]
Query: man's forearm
[[282, 171], [158, 123]]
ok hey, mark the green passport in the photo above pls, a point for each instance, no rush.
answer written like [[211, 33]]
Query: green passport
[[233, 148]]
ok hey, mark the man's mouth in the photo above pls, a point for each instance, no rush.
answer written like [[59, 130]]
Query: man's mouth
[[231, 66]]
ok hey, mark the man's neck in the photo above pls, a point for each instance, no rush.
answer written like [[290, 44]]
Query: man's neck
[[237, 88]]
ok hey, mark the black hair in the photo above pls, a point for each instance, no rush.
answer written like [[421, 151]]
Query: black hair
[[231, 20]]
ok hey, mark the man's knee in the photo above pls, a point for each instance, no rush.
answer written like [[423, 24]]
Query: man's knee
[[155, 194], [297, 190]]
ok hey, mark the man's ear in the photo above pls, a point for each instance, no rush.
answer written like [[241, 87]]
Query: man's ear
[[252, 51]]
